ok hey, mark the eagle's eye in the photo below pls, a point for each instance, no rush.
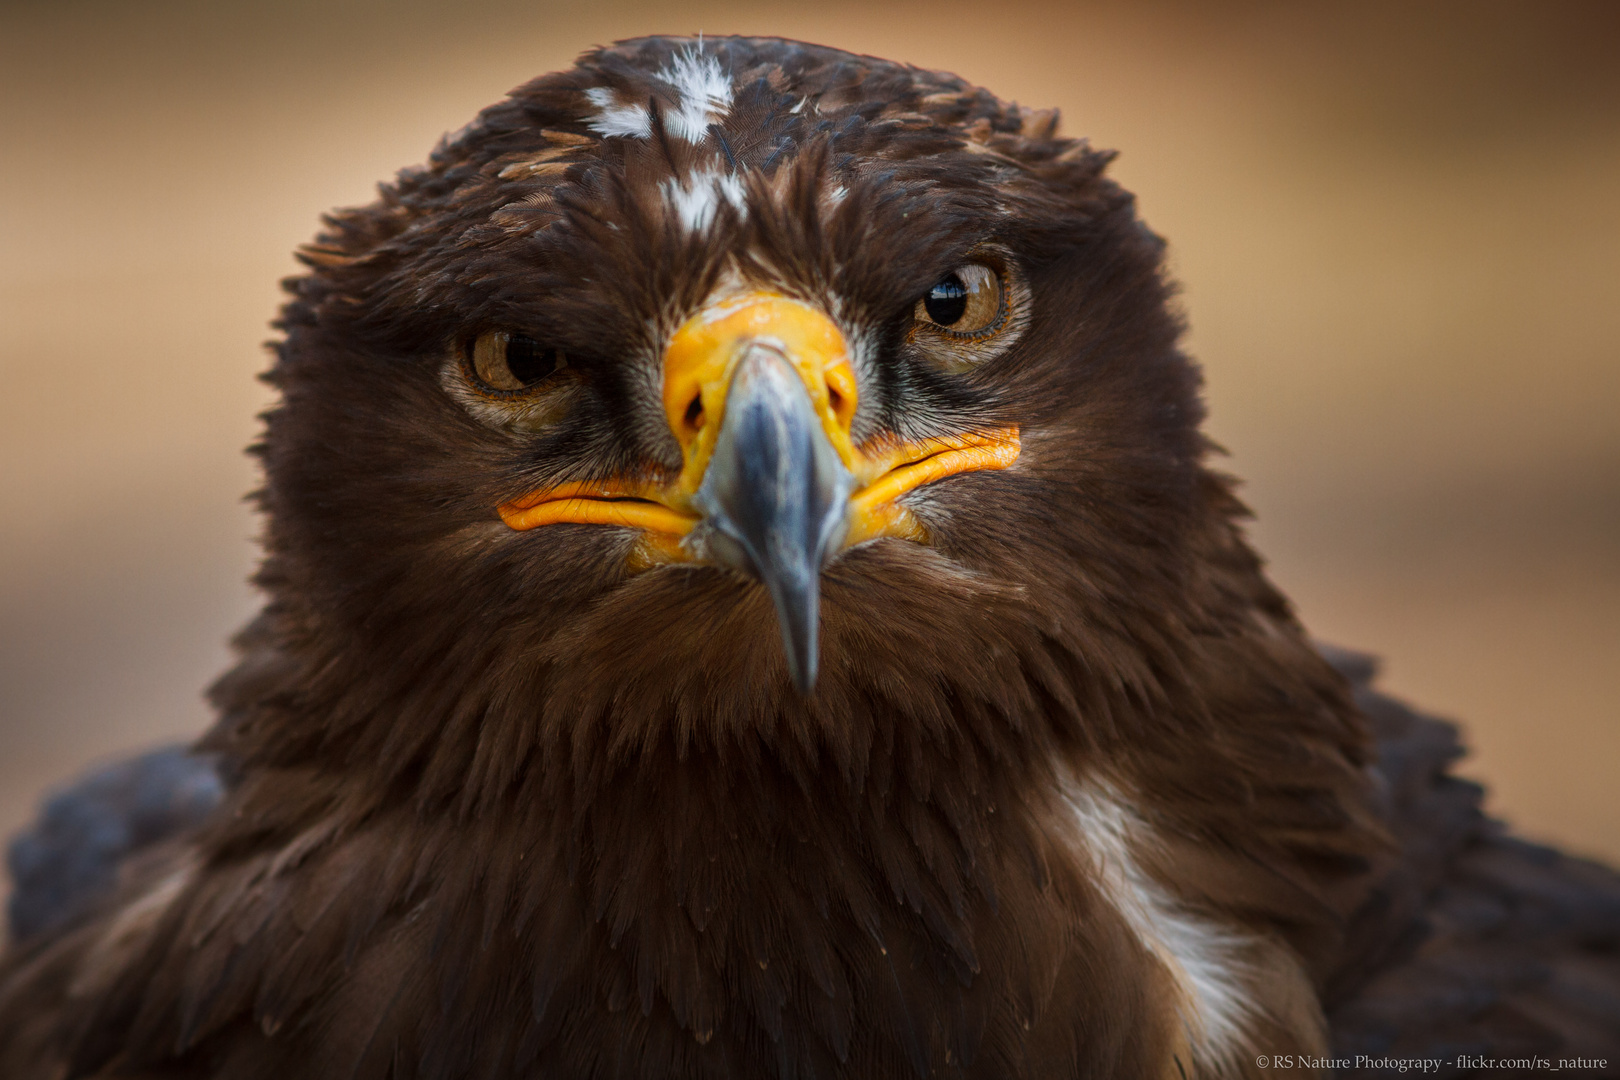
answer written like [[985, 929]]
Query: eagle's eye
[[510, 363], [970, 302], [971, 315]]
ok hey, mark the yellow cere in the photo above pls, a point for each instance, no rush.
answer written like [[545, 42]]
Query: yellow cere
[[702, 353]]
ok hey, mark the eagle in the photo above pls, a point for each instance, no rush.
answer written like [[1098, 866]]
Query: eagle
[[748, 595]]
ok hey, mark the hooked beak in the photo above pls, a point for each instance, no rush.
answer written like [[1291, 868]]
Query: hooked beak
[[760, 395], [775, 497]]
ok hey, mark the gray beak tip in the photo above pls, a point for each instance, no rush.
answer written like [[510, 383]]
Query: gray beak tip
[[803, 669], [798, 617]]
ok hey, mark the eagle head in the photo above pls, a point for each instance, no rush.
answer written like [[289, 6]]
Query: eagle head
[[707, 370]]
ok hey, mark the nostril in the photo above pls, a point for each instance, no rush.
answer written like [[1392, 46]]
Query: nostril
[[841, 394], [842, 406], [694, 413]]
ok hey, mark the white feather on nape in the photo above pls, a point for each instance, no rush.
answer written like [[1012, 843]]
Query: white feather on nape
[[703, 91], [1205, 958], [697, 197], [629, 121]]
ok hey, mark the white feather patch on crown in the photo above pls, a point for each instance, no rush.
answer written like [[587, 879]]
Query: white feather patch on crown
[[703, 90], [703, 95], [630, 121], [698, 196]]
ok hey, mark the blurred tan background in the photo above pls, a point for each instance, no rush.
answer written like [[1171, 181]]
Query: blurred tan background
[[1398, 226]]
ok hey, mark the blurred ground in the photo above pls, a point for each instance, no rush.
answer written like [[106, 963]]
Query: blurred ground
[[1397, 226]]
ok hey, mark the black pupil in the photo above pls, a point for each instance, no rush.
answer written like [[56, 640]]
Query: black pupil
[[528, 360], [947, 301]]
